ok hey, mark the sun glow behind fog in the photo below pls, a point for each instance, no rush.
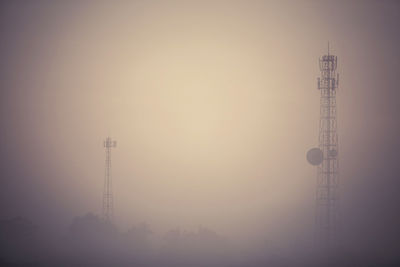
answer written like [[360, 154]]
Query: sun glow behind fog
[[198, 96]]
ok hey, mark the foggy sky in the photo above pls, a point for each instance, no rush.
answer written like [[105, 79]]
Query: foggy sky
[[213, 105]]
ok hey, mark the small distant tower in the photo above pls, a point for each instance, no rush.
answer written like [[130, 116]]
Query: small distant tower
[[327, 178], [108, 201]]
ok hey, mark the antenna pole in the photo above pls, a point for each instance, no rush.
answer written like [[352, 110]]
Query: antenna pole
[[108, 199], [328, 48], [327, 178]]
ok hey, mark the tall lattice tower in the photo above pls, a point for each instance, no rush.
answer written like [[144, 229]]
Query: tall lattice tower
[[327, 177], [108, 200]]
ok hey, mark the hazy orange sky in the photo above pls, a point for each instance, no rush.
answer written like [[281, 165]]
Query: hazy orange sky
[[213, 105]]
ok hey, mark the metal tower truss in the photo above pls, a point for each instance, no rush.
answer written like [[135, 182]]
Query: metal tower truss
[[108, 200], [328, 178]]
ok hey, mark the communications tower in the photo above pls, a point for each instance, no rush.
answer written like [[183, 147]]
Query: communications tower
[[108, 200], [327, 177]]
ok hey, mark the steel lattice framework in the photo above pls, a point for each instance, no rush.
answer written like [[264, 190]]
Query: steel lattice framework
[[327, 178], [108, 200]]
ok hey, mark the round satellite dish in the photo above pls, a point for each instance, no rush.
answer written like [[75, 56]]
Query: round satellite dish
[[315, 156]]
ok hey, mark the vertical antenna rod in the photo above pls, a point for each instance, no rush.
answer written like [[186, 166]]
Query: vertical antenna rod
[[327, 178], [108, 200], [328, 48]]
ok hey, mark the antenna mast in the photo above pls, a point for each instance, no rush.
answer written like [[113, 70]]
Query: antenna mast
[[327, 178], [108, 200]]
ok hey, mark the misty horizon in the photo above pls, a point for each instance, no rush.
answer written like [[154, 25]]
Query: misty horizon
[[214, 105]]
